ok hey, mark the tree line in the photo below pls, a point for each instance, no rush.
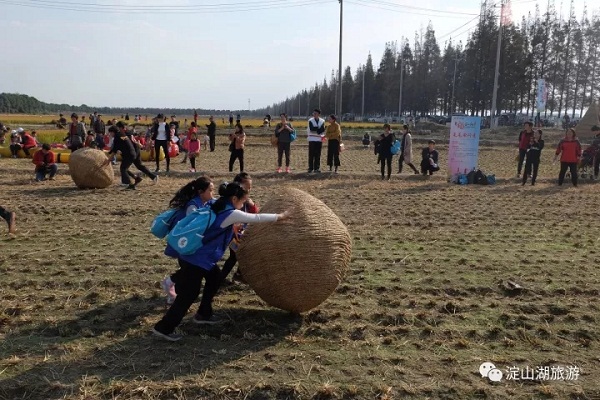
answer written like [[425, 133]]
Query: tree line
[[15, 103], [564, 51]]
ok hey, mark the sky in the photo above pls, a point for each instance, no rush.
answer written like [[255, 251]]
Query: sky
[[209, 54]]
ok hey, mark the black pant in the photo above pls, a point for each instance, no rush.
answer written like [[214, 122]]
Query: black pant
[[188, 282], [314, 155], [427, 168], [333, 153], [401, 163], [193, 162], [386, 159], [26, 151], [14, 149], [211, 139], [141, 167], [596, 165], [228, 265], [521, 159], [165, 146], [236, 154], [531, 168], [563, 170], [124, 169], [281, 149], [4, 214]]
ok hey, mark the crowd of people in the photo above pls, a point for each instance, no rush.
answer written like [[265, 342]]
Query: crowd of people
[[164, 133]]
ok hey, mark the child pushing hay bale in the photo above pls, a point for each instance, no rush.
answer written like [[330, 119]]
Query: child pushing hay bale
[[296, 266], [87, 171]]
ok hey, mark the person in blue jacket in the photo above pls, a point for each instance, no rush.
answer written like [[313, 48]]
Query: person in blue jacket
[[203, 263], [196, 194]]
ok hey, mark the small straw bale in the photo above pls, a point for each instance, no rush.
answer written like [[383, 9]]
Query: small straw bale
[[295, 265], [85, 166]]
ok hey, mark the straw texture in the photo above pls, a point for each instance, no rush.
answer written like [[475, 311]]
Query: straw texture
[[85, 166], [295, 265]]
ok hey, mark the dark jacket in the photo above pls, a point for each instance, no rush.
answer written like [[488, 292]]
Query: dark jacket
[[123, 144], [385, 144], [212, 128], [155, 131], [426, 155], [534, 151], [283, 136]]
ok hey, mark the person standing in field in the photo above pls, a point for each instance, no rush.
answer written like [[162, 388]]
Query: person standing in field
[[384, 147], [236, 147], [10, 218], [185, 138], [99, 126], [231, 120], [212, 132], [406, 152], [161, 135], [333, 133], [202, 265], [196, 117], [283, 131], [532, 158], [524, 140], [569, 150], [315, 133], [193, 148], [77, 133]]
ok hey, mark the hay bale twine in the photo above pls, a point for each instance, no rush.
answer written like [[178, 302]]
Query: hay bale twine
[[85, 167], [295, 265]]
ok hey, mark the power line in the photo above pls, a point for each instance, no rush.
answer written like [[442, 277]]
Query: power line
[[391, 4], [460, 27], [370, 5], [80, 7]]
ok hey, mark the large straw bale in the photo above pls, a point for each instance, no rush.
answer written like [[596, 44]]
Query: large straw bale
[[85, 166], [295, 265]]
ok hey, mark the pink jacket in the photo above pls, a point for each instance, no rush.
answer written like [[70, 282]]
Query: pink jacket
[[193, 146]]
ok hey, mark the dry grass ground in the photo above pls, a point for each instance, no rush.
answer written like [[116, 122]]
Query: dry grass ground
[[425, 302]]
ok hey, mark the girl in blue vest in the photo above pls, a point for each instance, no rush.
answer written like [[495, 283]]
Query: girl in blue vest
[[196, 194], [203, 263]]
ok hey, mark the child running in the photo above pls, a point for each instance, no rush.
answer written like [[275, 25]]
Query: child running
[[203, 263], [249, 206], [196, 194]]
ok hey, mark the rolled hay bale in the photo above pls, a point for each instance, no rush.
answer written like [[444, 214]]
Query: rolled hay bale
[[85, 167], [297, 264]]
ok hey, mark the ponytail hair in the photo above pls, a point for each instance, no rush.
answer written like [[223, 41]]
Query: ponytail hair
[[227, 191], [189, 191]]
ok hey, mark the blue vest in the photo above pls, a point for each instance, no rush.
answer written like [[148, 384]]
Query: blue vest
[[215, 241], [169, 251]]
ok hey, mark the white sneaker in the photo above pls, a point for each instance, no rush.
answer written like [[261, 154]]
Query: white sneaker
[[155, 180], [169, 287]]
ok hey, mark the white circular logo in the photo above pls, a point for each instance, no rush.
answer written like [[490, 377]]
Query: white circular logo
[[485, 368], [182, 242]]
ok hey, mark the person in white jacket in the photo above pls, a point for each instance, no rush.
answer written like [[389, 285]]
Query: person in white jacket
[[315, 133], [406, 153]]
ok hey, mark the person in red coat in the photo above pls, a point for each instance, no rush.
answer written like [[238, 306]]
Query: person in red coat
[[45, 164], [569, 150], [524, 138]]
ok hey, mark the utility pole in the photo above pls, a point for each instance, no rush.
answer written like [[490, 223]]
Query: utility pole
[[401, 85], [339, 111], [453, 109], [362, 110], [248, 104], [493, 121]]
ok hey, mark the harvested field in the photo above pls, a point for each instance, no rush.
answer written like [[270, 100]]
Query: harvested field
[[430, 295]]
